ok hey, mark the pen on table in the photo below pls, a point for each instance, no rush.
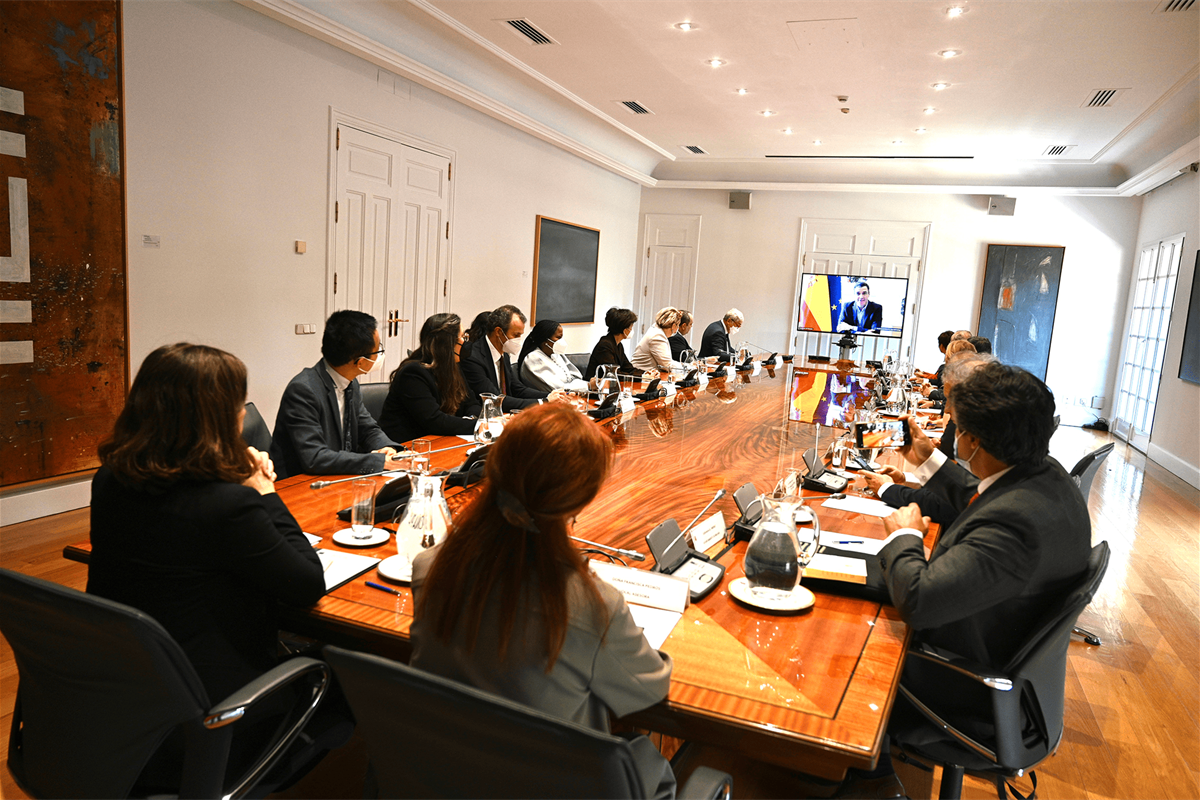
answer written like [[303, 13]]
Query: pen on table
[[848, 541], [383, 588]]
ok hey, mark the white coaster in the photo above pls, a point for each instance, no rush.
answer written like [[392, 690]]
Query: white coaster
[[796, 600], [346, 538], [397, 568]]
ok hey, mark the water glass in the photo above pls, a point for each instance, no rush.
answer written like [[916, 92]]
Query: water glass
[[362, 512], [419, 461]]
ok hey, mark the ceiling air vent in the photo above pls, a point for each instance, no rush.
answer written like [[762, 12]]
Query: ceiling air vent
[[527, 30], [1058, 149], [635, 107], [1170, 6], [695, 150], [1103, 98]]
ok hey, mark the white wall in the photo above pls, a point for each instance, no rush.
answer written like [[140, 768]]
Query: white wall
[[227, 140], [1175, 437], [748, 259]]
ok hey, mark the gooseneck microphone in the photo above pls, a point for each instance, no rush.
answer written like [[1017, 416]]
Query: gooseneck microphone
[[720, 493], [634, 554], [397, 456]]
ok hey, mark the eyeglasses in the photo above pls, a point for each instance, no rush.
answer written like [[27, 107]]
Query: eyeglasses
[[378, 352]]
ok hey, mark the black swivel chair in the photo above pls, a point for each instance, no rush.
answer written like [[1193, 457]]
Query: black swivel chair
[[428, 736], [102, 686], [1024, 722], [255, 431], [580, 361], [373, 395], [1084, 473]]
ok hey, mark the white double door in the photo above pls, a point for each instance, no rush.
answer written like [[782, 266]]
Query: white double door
[[391, 254]]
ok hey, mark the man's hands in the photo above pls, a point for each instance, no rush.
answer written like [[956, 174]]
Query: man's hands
[[907, 517], [921, 448]]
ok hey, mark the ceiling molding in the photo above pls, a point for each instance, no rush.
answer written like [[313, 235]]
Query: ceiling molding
[[320, 27], [517, 64], [1192, 75], [1159, 173], [893, 188]]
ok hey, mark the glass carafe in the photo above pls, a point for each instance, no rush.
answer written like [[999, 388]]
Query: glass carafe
[[426, 517], [772, 561], [606, 379], [490, 424]]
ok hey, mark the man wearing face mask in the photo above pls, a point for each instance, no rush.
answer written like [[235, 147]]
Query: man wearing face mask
[[322, 427], [716, 340], [488, 367]]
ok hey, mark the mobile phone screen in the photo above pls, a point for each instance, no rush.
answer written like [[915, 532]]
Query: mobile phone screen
[[883, 433]]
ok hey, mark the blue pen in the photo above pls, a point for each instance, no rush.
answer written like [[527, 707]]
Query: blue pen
[[382, 588], [839, 541]]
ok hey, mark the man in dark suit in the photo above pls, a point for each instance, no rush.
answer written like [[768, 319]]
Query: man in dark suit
[[488, 368], [716, 338], [678, 341], [860, 314], [322, 427]]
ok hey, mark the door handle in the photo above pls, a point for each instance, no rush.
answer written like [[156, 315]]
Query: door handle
[[394, 322]]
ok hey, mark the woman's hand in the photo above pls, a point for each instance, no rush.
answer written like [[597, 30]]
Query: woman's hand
[[262, 480]]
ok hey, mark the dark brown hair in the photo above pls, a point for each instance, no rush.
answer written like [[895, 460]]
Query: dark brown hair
[[439, 335], [552, 462], [180, 421]]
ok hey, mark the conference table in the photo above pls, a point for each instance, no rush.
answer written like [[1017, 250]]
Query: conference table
[[810, 691]]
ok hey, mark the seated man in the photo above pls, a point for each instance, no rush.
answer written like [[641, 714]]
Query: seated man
[[715, 341], [1021, 539], [322, 427], [488, 366], [678, 342], [982, 344], [860, 314]]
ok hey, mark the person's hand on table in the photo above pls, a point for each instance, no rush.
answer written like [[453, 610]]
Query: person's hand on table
[[892, 473], [921, 447], [557, 396], [926, 389], [387, 451], [262, 480], [907, 517], [875, 481]]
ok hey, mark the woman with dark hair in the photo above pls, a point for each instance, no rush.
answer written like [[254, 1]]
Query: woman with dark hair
[[478, 330], [541, 367], [428, 395], [186, 525], [507, 604], [608, 350]]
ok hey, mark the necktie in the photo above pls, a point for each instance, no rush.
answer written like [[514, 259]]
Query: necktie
[[974, 497], [503, 376], [347, 426]]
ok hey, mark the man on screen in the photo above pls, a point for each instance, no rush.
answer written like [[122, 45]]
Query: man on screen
[[860, 314]]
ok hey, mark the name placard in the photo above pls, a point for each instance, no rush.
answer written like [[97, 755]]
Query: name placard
[[708, 532], [643, 587]]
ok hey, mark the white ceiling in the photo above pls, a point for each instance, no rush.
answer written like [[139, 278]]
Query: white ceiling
[[1027, 69]]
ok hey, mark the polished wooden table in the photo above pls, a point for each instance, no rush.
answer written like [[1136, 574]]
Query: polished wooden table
[[810, 691]]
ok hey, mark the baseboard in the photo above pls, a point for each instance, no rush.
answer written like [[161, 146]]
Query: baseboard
[[1174, 464], [22, 505]]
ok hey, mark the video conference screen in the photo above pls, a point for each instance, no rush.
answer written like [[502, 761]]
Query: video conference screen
[[855, 303]]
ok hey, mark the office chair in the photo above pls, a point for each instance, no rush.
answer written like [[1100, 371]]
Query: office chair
[[429, 736], [1024, 722], [373, 395], [102, 686], [255, 431], [1084, 473], [580, 360]]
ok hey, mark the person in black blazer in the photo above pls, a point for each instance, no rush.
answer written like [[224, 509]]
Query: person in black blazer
[[322, 427], [608, 350], [428, 394], [679, 342], [488, 367], [716, 338], [860, 314]]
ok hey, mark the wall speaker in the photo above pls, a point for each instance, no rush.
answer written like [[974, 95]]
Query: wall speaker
[[739, 200], [1002, 206]]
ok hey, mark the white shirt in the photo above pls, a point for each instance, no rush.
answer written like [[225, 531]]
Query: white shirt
[[548, 373], [341, 383]]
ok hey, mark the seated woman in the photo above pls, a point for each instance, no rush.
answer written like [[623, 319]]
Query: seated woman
[[653, 352], [186, 526], [541, 367], [506, 603], [608, 350], [428, 395]]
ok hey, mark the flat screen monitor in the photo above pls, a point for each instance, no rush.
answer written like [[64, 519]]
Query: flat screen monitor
[[827, 398], [863, 305]]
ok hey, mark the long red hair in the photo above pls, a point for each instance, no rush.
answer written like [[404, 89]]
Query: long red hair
[[516, 556]]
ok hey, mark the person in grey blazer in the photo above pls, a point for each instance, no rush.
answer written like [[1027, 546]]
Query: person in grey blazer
[[322, 427]]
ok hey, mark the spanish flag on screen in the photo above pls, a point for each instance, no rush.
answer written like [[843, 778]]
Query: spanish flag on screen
[[815, 309]]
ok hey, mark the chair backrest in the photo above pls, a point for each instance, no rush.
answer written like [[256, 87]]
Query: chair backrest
[[1038, 672], [255, 431], [432, 737], [373, 395], [1084, 471], [580, 360], [101, 686]]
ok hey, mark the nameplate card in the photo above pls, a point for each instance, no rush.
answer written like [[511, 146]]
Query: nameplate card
[[708, 532], [756, 368], [625, 403], [669, 388], [703, 376], [730, 371], [642, 587]]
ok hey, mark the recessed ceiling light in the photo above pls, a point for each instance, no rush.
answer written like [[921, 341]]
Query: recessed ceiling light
[[950, 53], [767, 113], [742, 91], [930, 110], [897, 141], [788, 131], [920, 130], [940, 85], [955, 11], [715, 62], [686, 26], [817, 142]]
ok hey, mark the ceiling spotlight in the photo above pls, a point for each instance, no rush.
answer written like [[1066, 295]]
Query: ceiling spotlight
[[940, 85], [788, 131], [742, 91], [955, 11], [767, 113], [930, 110], [817, 142], [897, 141], [950, 53], [920, 130], [687, 26], [715, 62]]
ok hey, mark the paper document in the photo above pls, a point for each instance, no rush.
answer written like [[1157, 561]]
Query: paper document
[[837, 568], [656, 623], [342, 567], [313, 539], [860, 505], [854, 544]]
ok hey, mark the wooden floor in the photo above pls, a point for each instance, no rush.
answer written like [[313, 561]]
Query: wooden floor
[[1133, 705]]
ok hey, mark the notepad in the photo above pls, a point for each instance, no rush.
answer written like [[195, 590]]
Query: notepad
[[656, 601], [837, 568], [860, 505], [342, 567]]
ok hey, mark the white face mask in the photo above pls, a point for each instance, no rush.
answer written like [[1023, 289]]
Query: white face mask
[[964, 463], [733, 331], [513, 347]]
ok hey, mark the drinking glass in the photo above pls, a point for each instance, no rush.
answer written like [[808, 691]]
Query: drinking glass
[[419, 462], [362, 512]]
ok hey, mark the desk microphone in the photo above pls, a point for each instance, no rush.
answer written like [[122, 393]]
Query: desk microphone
[[634, 554], [401, 454], [720, 493]]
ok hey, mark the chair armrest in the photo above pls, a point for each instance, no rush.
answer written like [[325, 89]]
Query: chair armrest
[[981, 673], [232, 708], [706, 783]]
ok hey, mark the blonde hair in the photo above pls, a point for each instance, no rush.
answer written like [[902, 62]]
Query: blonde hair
[[667, 317]]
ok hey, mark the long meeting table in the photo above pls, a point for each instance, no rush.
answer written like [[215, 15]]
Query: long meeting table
[[810, 691]]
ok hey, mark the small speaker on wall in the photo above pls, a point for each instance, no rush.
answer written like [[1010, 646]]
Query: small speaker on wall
[[1002, 206], [739, 200]]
